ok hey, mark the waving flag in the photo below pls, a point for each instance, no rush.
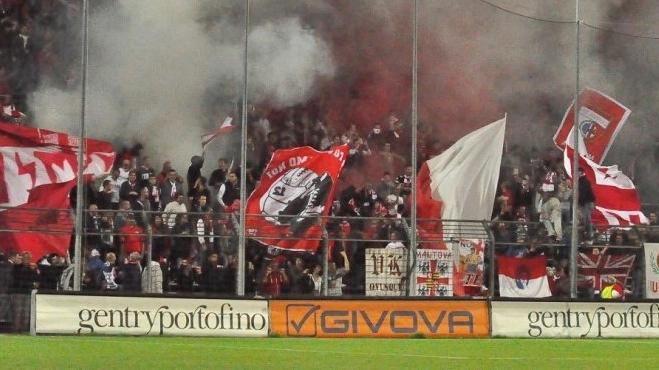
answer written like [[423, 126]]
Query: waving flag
[[460, 184], [616, 198], [295, 191], [523, 277], [38, 169], [600, 119], [224, 128]]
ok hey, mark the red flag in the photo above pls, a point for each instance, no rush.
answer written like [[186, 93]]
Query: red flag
[[37, 172], [224, 128], [616, 198], [600, 120], [296, 189], [523, 277]]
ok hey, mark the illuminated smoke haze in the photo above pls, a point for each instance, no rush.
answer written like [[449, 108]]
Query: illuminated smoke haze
[[167, 71]]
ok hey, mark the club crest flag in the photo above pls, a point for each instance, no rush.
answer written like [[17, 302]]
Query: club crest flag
[[651, 270], [600, 120], [295, 192], [523, 277], [38, 169]]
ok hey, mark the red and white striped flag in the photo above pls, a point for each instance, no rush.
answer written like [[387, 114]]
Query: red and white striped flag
[[616, 198], [224, 128]]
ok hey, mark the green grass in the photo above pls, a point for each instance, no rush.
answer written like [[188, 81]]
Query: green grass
[[95, 352]]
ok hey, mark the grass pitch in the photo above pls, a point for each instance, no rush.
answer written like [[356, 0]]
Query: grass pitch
[[95, 352]]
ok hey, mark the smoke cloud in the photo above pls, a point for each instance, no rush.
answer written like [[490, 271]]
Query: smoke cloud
[[168, 71]]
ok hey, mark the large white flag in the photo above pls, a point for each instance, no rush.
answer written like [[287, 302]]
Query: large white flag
[[464, 177]]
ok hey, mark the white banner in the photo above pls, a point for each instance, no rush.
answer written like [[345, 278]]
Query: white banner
[[651, 270], [115, 315], [386, 272], [575, 320], [434, 273]]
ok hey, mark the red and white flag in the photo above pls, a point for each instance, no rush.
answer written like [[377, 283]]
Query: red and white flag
[[600, 119], [523, 277], [459, 184], [295, 191], [616, 198], [38, 169], [224, 128]]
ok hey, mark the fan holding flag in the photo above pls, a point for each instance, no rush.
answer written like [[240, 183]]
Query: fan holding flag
[[586, 202]]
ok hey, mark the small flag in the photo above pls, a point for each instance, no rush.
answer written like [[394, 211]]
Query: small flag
[[224, 128]]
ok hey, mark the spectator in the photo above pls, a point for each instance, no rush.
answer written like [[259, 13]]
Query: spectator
[[132, 238], [25, 277], [129, 190], [385, 186], [551, 217], [275, 280], [130, 274], [152, 278], [163, 175], [194, 174], [112, 192], [219, 175], [173, 208], [106, 196], [229, 191], [109, 272], [212, 273], [154, 193], [144, 172], [586, 203], [170, 189]]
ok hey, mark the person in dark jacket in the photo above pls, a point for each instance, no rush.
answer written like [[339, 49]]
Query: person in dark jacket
[[586, 203]]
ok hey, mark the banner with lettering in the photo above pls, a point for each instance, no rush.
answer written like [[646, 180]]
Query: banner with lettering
[[386, 274], [434, 273], [295, 191], [651, 270]]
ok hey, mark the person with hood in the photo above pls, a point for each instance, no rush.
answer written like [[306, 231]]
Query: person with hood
[[194, 174]]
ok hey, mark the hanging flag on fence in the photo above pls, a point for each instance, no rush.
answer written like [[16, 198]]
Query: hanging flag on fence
[[296, 189], [38, 169], [616, 198], [651, 270], [600, 120], [594, 269], [523, 277], [224, 128]]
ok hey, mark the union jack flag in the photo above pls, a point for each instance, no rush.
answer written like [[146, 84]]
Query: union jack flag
[[593, 270]]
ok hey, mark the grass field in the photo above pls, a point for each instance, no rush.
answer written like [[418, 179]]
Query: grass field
[[95, 352]]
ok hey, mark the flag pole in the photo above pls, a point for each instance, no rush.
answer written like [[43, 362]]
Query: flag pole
[[574, 237], [79, 217], [240, 269], [411, 258]]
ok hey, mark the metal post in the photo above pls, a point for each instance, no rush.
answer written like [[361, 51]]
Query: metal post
[[574, 241], [240, 270], [411, 258], [79, 216]]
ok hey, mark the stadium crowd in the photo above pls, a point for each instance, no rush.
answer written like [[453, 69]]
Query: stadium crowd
[[192, 215]]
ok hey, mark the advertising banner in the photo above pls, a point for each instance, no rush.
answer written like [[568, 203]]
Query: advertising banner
[[114, 315], [575, 319], [651, 270], [386, 272], [379, 318]]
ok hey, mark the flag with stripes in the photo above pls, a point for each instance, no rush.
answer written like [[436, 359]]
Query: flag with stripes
[[224, 128]]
